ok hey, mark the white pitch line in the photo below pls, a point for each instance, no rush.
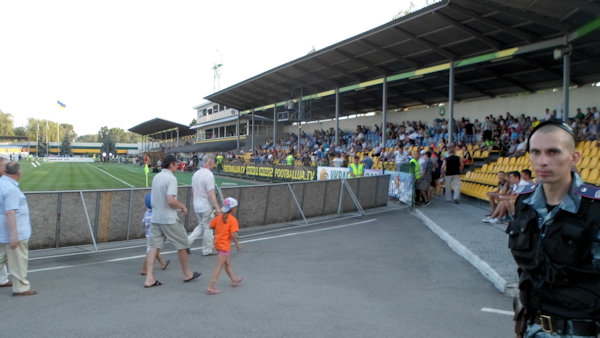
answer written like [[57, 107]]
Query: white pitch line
[[86, 252], [116, 178], [307, 231], [174, 251], [500, 312]]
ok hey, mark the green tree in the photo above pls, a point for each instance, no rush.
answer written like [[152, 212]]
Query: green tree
[[133, 137], [42, 148], [108, 144], [65, 147], [193, 123], [87, 138], [69, 130], [20, 131], [6, 124]]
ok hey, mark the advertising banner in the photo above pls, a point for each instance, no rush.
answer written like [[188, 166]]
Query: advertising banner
[[270, 172], [69, 159], [289, 173], [235, 169], [401, 186], [332, 173]]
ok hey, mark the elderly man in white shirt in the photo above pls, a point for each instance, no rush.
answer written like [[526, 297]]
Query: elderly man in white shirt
[[205, 201]]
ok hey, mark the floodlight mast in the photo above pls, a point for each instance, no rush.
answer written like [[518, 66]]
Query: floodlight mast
[[217, 76]]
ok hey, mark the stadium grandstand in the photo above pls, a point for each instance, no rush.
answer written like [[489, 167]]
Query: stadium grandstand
[[469, 74]]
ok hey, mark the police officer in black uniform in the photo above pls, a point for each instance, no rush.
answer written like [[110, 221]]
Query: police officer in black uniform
[[555, 240]]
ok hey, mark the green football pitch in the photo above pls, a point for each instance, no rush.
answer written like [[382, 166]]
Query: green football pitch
[[53, 176]]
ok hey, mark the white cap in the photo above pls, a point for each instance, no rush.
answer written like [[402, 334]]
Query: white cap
[[228, 204]]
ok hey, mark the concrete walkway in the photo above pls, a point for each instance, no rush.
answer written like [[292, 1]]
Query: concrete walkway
[[481, 244]]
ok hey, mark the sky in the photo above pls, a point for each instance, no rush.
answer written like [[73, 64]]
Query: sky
[[118, 63]]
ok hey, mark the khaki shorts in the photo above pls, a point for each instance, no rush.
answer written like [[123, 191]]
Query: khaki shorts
[[175, 233]]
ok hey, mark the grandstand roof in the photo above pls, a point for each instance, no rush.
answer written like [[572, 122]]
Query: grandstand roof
[[497, 46], [157, 126]]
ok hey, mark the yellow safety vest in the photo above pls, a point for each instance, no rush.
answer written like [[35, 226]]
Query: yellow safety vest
[[417, 168], [358, 172]]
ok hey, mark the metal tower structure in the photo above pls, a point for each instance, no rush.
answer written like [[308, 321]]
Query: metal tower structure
[[217, 76]]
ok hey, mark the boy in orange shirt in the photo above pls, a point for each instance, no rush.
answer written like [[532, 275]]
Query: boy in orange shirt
[[226, 228]]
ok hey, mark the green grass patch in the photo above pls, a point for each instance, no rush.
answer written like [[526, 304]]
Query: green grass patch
[[56, 176]]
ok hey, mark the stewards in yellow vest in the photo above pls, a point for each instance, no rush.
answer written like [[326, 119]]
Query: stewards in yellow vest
[[415, 163], [356, 168], [220, 161], [290, 159]]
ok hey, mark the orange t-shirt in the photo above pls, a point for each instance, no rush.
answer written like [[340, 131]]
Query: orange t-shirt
[[223, 231]]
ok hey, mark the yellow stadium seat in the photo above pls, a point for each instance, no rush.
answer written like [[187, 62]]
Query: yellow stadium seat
[[585, 162], [587, 144], [512, 160], [593, 176], [585, 173], [485, 154], [477, 154], [593, 162], [586, 152], [594, 151]]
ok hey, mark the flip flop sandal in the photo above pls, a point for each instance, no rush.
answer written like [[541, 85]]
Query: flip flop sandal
[[237, 282], [26, 293], [194, 276], [156, 283], [166, 264], [213, 292]]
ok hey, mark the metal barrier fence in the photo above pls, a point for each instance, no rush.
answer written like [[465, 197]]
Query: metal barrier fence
[[70, 218]]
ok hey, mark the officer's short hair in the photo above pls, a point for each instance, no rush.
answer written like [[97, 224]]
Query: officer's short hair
[[552, 125], [515, 174], [13, 168]]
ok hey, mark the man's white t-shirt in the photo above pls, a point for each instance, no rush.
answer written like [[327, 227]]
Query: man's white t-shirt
[[338, 162], [203, 181]]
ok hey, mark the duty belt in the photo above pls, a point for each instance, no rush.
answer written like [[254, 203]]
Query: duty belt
[[574, 327]]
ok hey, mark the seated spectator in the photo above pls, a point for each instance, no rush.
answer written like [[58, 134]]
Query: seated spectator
[[506, 201], [502, 188], [466, 156], [525, 177]]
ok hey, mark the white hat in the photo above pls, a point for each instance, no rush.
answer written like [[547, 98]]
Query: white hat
[[423, 152], [228, 204]]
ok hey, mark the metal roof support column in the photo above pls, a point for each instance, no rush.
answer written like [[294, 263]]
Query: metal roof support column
[[383, 112], [252, 134], [566, 78], [337, 117], [299, 118], [237, 130], [178, 136], [274, 124], [450, 103], [300, 107]]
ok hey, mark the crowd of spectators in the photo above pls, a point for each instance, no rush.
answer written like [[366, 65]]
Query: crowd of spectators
[[506, 134]]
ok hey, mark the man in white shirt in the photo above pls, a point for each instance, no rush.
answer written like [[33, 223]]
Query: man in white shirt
[[338, 161], [205, 200]]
